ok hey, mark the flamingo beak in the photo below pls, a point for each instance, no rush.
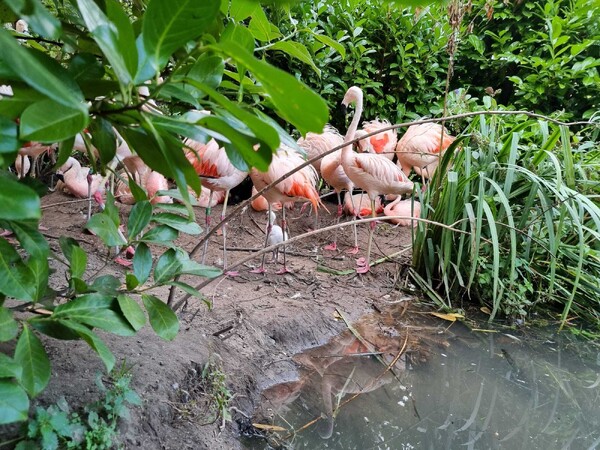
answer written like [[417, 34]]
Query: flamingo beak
[[60, 176]]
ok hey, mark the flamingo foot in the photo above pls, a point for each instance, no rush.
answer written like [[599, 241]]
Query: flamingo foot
[[361, 262], [363, 269], [260, 269], [123, 262], [232, 273], [303, 208], [283, 271], [352, 251], [332, 247], [5, 233]]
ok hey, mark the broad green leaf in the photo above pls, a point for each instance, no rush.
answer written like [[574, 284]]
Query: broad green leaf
[[101, 225], [93, 341], [49, 121], [31, 239], [9, 142], [131, 281], [15, 276], [19, 202], [132, 312], [32, 357], [138, 193], [106, 284], [191, 290], [178, 222], [34, 72], [111, 210], [96, 310], [9, 368], [40, 270], [8, 325], [78, 262], [167, 266], [53, 328], [139, 217], [14, 403], [37, 17], [125, 34], [238, 34], [161, 234], [65, 148], [169, 24], [107, 36], [85, 66], [298, 51], [261, 28], [294, 101], [103, 138], [142, 262], [331, 43], [207, 70], [242, 9], [190, 267], [162, 318]]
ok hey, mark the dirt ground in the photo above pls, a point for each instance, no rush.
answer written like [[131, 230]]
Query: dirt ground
[[257, 324]]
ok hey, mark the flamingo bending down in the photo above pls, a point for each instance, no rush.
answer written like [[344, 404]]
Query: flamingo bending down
[[78, 181], [359, 205], [374, 174], [383, 143], [407, 208], [421, 148], [298, 186], [334, 175], [150, 180], [318, 143], [217, 174]]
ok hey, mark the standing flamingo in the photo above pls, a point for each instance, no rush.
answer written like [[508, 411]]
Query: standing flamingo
[[421, 148], [318, 143], [297, 187], [217, 174], [276, 236], [382, 143], [407, 208], [334, 175], [374, 174]]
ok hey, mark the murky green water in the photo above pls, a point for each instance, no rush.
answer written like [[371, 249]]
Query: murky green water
[[451, 390]]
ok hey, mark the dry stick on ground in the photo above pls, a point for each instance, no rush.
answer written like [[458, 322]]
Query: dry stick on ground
[[180, 302], [241, 206]]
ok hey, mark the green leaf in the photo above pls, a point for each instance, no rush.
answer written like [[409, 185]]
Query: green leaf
[[14, 403], [32, 357], [139, 217], [167, 266], [40, 270], [330, 42], [261, 28], [95, 310], [162, 318], [242, 9], [8, 325], [131, 281], [161, 234], [298, 51], [15, 276], [53, 328], [169, 24], [178, 222], [208, 70], [78, 262], [132, 312], [106, 284], [37, 17], [239, 35], [9, 368], [191, 290], [108, 38], [190, 267], [142, 262], [103, 138], [19, 202], [125, 34], [31, 239], [294, 101], [49, 121], [101, 225], [35, 73], [93, 341], [9, 142]]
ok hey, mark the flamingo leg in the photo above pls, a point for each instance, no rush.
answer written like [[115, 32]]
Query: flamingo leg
[[207, 224], [333, 245], [353, 250], [89, 183], [261, 269], [284, 269], [230, 273], [364, 264]]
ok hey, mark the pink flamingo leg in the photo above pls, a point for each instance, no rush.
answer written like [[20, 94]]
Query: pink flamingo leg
[[230, 273], [353, 250], [364, 264], [284, 269], [207, 224], [333, 245], [261, 269]]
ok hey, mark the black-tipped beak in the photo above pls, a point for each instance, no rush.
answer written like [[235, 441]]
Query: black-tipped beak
[[60, 176], [344, 109]]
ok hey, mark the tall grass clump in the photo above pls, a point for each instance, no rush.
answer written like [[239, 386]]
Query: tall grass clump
[[521, 197]]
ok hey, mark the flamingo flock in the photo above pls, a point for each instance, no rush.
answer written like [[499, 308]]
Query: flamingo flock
[[370, 169]]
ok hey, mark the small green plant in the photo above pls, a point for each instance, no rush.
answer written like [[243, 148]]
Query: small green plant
[[95, 428]]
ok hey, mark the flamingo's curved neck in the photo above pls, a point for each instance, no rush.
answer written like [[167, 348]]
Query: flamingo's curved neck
[[351, 133]]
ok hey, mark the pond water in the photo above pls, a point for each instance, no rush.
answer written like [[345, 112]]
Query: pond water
[[451, 388]]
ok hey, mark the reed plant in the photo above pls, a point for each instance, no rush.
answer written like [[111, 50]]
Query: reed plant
[[521, 197]]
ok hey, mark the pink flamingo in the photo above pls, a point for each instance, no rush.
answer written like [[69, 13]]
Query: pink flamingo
[[372, 173], [382, 143], [318, 143], [297, 187], [78, 181], [150, 180], [421, 147], [334, 175], [407, 208], [359, 205], [217, 174]]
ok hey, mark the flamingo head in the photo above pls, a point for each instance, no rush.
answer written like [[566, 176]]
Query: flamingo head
[[353, 95]]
